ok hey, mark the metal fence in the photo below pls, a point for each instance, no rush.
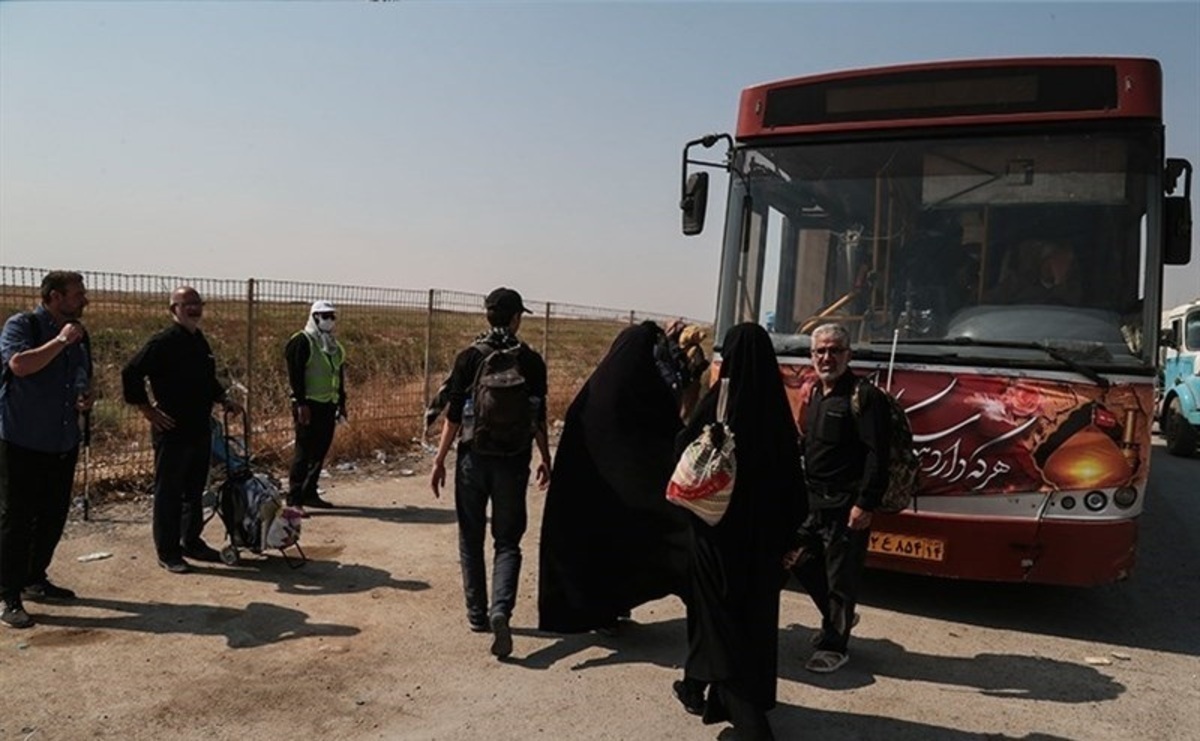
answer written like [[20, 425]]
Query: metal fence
[[400, 345]]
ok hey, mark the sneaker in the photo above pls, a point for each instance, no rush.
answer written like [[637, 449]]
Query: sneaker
[[175, 567], [202, 552], [45, 590], [14, 615], [319, 503], [502, 642], [479, 627]]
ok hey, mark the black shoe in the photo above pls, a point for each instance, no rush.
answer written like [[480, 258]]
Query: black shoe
[[479, 627], [202, 552], [714, 708], [45, 590], [319, 503], [176, 567], [502, 642], [611, 630], [14, 615], [691, 695]]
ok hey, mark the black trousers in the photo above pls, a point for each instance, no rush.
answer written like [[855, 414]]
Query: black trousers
[[35, 498], [830, 570], [501, 479], [308, 458], [180, 472]]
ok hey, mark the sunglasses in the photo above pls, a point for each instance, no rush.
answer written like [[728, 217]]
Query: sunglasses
[[328, 315], [821, 352]]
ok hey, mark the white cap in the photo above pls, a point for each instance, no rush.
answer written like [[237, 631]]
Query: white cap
[[322, 307]]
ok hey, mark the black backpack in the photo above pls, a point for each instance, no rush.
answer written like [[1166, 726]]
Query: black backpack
[[903, 465], [503, 409]]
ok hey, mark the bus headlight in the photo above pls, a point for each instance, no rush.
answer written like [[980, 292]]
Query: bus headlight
[[1095, 500], [1125, 496], [1067, 502]]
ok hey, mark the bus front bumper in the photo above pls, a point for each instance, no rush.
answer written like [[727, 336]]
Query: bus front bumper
[[1071, 553]]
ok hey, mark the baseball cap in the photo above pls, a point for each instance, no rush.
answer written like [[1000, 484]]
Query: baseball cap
[[507, 300], [322, 307]]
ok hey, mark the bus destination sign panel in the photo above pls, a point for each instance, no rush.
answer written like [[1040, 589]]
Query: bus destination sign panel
[[941, 93]]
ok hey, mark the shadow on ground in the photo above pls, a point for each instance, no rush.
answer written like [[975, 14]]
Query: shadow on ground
[[1130, 613], [314, 577], [407, 515], [1011, 676], [256, 624], [790, 721], [1001, 675]]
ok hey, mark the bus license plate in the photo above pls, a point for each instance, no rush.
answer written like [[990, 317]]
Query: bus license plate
[[907, 546]]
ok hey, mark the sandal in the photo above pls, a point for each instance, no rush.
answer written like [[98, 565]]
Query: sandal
[[826, 662]]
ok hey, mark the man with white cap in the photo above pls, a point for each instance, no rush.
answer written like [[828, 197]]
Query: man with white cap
[[316, 374]]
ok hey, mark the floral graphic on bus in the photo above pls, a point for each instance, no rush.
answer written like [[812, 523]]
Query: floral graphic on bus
[[982, 434]]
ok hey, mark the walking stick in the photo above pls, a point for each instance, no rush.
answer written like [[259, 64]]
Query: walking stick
[[87, 462]]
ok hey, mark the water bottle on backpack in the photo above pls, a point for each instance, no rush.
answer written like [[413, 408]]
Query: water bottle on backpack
[[468, 420]]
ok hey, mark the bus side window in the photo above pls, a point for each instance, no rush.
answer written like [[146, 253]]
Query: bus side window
[[1192, 333]]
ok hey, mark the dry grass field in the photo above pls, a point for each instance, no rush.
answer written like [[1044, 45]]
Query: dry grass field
[[400, 347]]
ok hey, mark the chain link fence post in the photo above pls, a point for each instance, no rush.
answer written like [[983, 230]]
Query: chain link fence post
[[428, 369], [250, 337]]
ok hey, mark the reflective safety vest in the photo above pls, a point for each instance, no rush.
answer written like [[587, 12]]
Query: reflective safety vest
[[323, 373]]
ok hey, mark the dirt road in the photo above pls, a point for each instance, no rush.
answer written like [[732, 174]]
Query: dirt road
[[369, 641]]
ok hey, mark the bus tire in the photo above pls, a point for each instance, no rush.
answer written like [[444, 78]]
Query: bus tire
[[1180, 435]]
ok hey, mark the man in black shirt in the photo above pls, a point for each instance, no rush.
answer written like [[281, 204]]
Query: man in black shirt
[[487, 468], [846, 471], [182, 372]]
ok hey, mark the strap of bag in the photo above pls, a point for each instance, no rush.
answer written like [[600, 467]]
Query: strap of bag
[[722, 399]]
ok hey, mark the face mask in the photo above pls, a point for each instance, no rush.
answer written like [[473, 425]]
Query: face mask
[[326, 325]]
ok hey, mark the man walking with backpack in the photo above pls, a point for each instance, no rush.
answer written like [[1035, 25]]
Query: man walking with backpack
[[46, 384], [497, 401], [846, 455]]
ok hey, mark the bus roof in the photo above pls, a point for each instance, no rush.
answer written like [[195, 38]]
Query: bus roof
[[1180, 310], [954, 93]]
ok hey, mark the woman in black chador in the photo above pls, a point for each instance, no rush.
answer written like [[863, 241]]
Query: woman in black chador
[[610, 541], [737, 567]]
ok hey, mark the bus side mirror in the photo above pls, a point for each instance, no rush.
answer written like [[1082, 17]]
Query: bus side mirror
[[1166, 338], [1177, 214], [1177, 230], [694, 203]]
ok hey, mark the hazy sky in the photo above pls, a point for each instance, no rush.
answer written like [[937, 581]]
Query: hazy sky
[[452, 145]]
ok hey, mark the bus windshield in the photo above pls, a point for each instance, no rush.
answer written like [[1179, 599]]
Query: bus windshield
[[970, 249]]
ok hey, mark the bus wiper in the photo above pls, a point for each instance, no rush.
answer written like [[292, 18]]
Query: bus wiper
[[1053, 352]]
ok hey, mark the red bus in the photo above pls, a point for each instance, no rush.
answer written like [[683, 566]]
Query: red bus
[[993, 234]]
